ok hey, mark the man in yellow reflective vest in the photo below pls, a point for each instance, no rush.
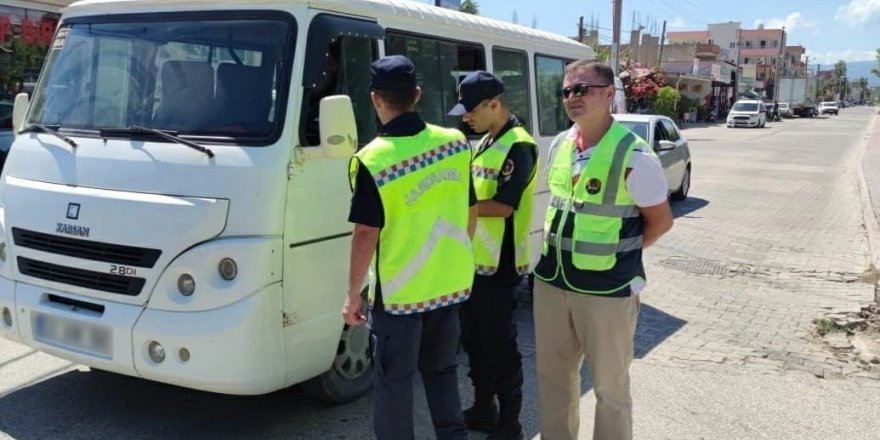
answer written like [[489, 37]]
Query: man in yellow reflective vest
[[504, 179], [608, 202], [414, 213]]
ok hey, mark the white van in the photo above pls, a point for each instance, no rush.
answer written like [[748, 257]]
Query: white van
[[175, 207]]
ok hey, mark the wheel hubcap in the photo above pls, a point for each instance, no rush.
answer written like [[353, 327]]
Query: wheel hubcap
[[352, 355]]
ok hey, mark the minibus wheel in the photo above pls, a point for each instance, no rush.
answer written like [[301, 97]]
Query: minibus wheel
[[351, 374]]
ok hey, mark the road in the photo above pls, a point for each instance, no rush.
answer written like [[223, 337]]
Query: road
[[771, 237]]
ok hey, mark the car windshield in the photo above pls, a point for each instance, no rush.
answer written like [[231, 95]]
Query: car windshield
[[829, 104], [745, 107], [211, 78], [783, 106], [639, 128]]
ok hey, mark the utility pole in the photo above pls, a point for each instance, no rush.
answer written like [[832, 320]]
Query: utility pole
[[737, 78], [581, 30], [662, 43], [780, 65], [615, 42]]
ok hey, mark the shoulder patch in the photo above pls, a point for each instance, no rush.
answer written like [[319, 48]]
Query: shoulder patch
[[507, 169]]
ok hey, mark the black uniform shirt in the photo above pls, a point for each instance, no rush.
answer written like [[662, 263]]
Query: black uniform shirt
[[516, 174]]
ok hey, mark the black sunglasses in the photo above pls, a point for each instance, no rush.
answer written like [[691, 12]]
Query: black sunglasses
[[580, 89]]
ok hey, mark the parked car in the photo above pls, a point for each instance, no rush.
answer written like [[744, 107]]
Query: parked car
[[747, 113], [785, 110], [672, 148], [828, 108]]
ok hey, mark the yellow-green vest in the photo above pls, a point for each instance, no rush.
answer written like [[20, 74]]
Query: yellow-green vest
[[487, 168], [593, 229], [424, 260]]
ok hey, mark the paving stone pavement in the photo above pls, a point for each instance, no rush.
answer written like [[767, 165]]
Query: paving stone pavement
[[771, 237]]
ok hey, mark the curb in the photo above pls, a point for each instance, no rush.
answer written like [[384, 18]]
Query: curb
[[872, 225]]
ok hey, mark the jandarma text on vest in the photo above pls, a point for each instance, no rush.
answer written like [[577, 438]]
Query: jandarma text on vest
[[429, 181]]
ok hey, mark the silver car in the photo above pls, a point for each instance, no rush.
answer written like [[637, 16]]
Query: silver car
[[672, 148]]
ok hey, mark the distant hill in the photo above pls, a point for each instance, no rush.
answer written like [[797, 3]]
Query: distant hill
[[858, 69]]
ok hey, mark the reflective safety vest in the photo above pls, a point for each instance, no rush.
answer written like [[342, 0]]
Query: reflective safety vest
[[424, 260], [593, 229], [487, 168]]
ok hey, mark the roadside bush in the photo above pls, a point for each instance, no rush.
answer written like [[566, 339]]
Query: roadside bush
[[666, 99]]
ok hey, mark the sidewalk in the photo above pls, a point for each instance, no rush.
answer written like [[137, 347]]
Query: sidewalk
[[869, 171]]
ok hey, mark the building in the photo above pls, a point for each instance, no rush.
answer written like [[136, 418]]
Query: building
[[760, 55], [643, 49], [26, 28], [702, 66]]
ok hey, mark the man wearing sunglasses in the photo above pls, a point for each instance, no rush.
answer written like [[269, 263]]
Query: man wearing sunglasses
[[503, 171], [608, 202]]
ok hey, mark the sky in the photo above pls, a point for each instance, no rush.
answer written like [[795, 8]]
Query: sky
[[830, 30]]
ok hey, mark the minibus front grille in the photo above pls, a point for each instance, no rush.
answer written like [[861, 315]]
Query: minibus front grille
[[86, 249], [104, 282]]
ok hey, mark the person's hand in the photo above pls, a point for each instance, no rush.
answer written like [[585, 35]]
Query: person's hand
[[351, 310]]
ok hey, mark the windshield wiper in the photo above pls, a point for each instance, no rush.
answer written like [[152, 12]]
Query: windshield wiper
[[45, 129], [164, 134]]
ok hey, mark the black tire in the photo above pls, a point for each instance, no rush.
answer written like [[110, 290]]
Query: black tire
[[685, 187], [351, 375]]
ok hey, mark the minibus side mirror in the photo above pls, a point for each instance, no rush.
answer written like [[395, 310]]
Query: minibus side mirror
[[19, 111], [338, 130]]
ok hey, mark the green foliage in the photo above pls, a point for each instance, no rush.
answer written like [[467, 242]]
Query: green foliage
[[825, 326], [21, 64], [470, 7], [666, 101], [876, 70], [602, 54]]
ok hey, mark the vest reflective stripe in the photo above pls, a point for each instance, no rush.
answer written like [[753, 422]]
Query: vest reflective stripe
[[617, 169], [484, 173], [486, 169], [583, 247], [485, 238], [415, 163], [425, 260], [598, 229], [440, 230], [622, 211]]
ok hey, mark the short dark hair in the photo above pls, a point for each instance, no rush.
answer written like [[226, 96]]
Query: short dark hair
[[602, 70], [401, 100]]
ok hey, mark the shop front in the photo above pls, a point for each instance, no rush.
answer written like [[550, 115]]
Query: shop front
[[26, 31]]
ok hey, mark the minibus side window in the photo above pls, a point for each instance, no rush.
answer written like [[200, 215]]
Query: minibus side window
[[346, 72], [549, 73], [512, 67], [440, 65]]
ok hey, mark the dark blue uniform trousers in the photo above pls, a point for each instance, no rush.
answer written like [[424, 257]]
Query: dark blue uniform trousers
[[403, 344]]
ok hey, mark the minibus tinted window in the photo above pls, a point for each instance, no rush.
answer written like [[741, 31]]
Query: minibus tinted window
[[512, 67], [440, 65], [549, 74]]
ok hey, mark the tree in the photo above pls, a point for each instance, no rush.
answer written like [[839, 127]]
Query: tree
[[667, 97], [876, 70], [602, 54], [470, 7]]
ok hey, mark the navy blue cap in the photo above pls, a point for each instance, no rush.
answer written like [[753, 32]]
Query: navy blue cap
[[474, 88], [392, 72]]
